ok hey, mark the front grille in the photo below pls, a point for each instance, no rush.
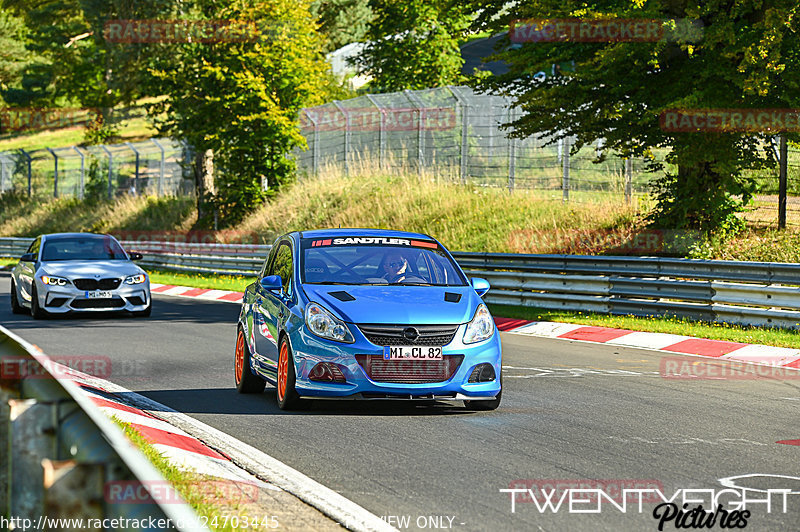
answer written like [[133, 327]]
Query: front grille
[[434, 335], [409, 371], [109, 283], [97, 303]]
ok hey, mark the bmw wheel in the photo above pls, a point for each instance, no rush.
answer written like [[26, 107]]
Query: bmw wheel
[[246, 382], [37, 312], [16, 308]]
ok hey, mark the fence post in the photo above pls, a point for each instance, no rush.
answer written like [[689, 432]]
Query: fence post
[[29, 160], [160, 168], [83, 172], [315, 150], [628, 179], [381, 133], [782, 183], [55, 172], [110, 165], [565, 169], [346, 136], [420, 136], [464, 149], [136, 170], [512, 151]]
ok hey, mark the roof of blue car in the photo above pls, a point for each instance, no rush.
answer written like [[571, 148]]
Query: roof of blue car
[[345, 231]]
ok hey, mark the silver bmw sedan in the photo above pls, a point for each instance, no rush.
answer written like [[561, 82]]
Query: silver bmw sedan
[[78, 272]]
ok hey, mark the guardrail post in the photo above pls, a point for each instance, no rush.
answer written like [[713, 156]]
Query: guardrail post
[[83, 172], [5, 455], [31, 440], [565, 169], [28, 159], [73, 490], [628, 179], [55, 172], [160, 168]]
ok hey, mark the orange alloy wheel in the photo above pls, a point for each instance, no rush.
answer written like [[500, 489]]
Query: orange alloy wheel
[[239, 358], [283, 370]]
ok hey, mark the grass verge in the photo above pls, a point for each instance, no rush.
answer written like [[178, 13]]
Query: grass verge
[[670, 325], [206, 495]]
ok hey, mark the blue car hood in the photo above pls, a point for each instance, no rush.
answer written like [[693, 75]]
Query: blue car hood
[[397, 304]]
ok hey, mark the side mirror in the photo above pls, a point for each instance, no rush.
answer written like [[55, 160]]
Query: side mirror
[[134, 255], [28, 257], [271, 282], [481, 286]]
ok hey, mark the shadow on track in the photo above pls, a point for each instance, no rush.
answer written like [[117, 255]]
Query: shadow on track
[[229, 401]]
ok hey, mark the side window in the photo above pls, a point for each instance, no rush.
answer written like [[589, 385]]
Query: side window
[[282, 266], [34, 247], [268, 261]]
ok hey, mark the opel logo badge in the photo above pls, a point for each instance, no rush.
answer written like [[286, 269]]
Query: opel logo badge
[[410, 333]]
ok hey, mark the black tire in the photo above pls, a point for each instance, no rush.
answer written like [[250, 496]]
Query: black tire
[[245, 381], [16, 308], [490, 404], [290, 400], [37, 312]]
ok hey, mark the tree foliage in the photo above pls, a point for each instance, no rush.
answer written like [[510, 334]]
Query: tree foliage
[[241, 100], [14, 57], [747, 58], [413, 44], [342, 22]]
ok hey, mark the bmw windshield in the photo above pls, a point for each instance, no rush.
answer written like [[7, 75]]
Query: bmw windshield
[[377, 261], [82, 248]]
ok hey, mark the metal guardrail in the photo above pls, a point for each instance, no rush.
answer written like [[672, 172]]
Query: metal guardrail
[[63, 454], [748, 293]]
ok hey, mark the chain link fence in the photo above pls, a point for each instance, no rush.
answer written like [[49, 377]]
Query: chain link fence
[[454, 132], [152, 167]]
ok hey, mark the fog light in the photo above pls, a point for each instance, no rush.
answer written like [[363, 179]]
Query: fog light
[[482, 373], [326, 372]]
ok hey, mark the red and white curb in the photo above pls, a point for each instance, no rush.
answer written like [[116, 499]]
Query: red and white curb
[[197, 293], [192, 445], [670, 343]]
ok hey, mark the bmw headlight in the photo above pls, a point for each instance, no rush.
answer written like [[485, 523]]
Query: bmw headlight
[[136, 279], [322, 323], [54, 281], [481, 327]]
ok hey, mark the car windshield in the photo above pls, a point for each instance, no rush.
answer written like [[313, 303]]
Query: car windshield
[[82, 248], [358, 261]]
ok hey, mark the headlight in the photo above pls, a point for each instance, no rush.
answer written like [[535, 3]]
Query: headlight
[[54, 281], [136, 279], [324, 324], [481, 327]]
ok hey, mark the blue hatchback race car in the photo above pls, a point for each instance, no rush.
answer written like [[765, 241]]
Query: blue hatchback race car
[[367, 314]]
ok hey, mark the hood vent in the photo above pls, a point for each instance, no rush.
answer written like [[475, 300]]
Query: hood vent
[[341, 295], [452, 297]]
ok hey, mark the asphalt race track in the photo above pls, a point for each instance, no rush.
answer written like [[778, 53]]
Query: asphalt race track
[[571, 411]]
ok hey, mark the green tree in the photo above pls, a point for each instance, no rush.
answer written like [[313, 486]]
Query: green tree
[[237, 103], [342, 21], [747, 58], [14, 57], [414, 43]]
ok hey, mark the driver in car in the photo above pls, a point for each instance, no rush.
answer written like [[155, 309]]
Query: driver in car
[[395, 267]]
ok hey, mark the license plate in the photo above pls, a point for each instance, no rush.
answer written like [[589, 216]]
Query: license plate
[[98, 295], [401, 352]]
